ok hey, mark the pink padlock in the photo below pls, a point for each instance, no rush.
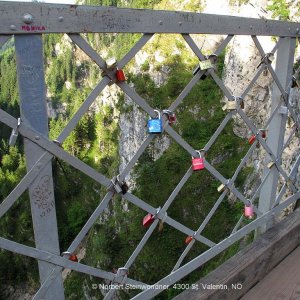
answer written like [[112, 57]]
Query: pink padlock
[[249, 213], [198, 162]]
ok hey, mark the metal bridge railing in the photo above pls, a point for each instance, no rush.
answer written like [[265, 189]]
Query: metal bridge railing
[[27, 22]]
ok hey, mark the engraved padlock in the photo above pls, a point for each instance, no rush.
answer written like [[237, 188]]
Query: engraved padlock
[[198, 162], [155, 125], [248, 210]]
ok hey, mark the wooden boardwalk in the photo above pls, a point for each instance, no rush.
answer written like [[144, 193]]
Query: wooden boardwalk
[[283, 282], [268, 269]]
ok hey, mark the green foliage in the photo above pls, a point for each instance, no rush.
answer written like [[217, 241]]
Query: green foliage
[[279, 8], [16, 223], [95, 141]]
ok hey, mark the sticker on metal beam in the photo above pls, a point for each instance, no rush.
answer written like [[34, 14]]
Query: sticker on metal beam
[[283, 110]]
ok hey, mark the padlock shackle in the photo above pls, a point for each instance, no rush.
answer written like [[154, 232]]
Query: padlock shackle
[[249, 203], [168, 112], [158, 113], [199, 152]]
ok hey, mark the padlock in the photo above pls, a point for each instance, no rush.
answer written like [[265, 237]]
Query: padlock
[[14, 134], [71, 256], [242, 104], [263, 133], [270, 164], [270, 57], [221, 188], [13, 137], [111, 63], [120, 75], [171, 116], [205, 64], [124, 188], [148, 220], [188, 239], [248, 212], [155, 125], [252, 139], [198, 162], [294, 82], [230, 105], [115, 185]]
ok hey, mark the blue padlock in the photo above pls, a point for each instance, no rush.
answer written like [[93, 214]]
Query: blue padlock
[[155, 125]]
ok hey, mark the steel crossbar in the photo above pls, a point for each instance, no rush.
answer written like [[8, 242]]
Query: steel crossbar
[[46, 17]]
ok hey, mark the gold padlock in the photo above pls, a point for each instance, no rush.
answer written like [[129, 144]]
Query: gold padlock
[[230, 105], [270, 164], [221, 188], [224, 107]]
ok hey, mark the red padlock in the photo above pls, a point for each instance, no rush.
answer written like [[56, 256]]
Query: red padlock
[[263, 133], [73, 257], [198, 162], [249, 213], [170, 115], [188, 239], [148, 220], [172, 119], [120, 75], [252, 139]]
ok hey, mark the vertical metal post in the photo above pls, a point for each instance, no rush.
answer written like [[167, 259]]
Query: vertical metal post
[[284, 69], [32, 90]]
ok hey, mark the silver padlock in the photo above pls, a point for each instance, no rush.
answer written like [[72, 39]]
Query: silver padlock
[[111, 63], [14, 134]]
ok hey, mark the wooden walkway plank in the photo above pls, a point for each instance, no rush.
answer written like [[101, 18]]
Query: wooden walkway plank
[[252, 264], [283, 282]]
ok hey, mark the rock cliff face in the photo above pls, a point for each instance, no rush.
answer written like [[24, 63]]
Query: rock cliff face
[[241, 61]]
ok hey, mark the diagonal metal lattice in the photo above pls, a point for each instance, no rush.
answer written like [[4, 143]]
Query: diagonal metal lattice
[[47, 149]]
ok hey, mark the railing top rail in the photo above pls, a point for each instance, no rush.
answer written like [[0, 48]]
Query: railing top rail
[[28, 18]]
